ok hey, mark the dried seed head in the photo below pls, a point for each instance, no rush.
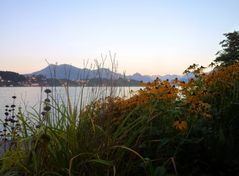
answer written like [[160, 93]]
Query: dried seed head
[[47, 91], [47, 100], [47, 108]]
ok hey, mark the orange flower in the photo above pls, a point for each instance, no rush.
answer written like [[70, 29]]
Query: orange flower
[[180, 124]]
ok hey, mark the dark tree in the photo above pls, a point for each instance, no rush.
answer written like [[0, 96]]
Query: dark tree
[[230, 49]]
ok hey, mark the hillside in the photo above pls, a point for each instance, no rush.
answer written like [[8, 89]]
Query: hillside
[[9, 78], [70, 72]]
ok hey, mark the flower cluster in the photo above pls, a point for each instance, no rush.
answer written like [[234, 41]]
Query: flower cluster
[[11, 126], [46, 108]]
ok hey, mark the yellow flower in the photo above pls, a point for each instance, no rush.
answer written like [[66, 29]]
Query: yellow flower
[[180, 124]]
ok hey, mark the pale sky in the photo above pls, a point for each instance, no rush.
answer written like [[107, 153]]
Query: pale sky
[[148, 36]]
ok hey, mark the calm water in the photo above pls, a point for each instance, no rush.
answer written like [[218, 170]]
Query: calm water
[[30, 98]]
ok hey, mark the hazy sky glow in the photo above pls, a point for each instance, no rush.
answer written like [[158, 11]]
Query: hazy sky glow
[[149, 36]]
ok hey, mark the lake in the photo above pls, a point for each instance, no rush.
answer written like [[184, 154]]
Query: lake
[[30, 98]]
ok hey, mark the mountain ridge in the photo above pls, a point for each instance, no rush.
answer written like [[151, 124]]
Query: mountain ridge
[[66, 71]]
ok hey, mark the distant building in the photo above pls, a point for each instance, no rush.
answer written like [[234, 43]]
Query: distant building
[[1, 80], [35, 85]]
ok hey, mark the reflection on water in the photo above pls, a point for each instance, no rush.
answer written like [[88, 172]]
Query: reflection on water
[[30, 98]]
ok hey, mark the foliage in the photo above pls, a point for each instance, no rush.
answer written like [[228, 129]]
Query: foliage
[[230, 49]]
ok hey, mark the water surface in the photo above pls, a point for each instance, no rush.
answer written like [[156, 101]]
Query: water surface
[[30, 98]]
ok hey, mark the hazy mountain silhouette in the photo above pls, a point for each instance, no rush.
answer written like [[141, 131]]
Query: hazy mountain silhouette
[[149, 78], [70, 72]]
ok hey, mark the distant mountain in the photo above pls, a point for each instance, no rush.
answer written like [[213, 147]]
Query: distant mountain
[[179, 77], [148, 78], [139, 77], [70, 72]]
